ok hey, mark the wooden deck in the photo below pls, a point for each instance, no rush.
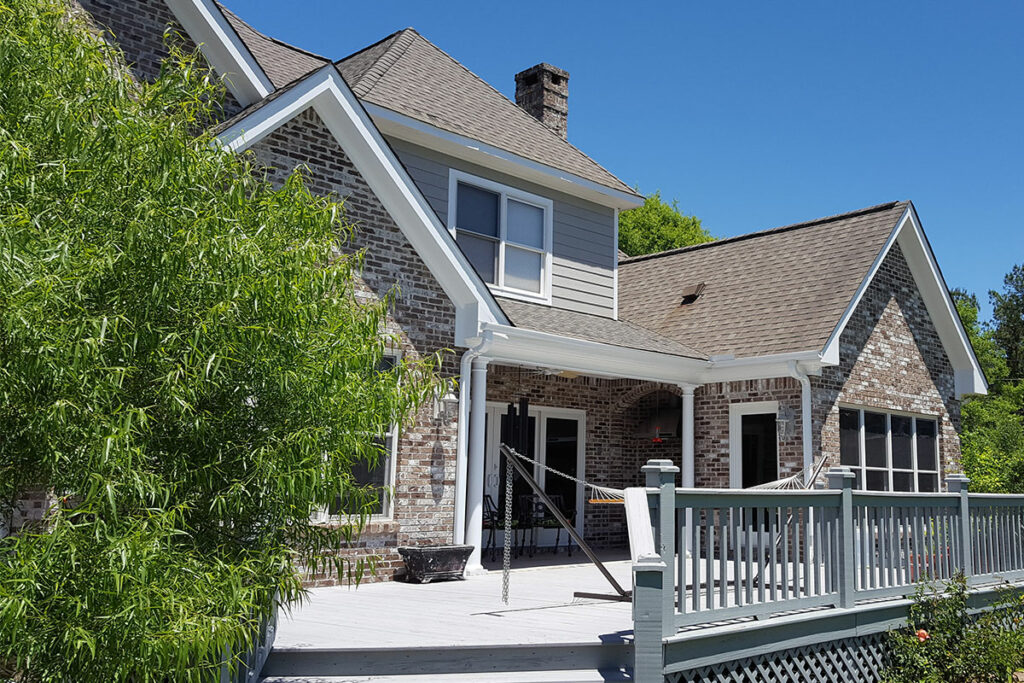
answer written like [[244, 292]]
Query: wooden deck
[[398, 628]]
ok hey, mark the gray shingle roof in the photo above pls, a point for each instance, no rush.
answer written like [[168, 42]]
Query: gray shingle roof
[[283, 63], [593, 328], [776, 291], [408, 74]]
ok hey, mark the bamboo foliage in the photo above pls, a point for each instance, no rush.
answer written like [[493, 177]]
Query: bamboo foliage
[[184, 364]]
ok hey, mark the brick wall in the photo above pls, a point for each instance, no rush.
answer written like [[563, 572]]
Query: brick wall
[[890, 357], [423, 319], [711, 425], [137, 27]]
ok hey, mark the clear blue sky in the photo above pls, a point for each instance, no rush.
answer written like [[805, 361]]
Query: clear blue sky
[[758, 114]]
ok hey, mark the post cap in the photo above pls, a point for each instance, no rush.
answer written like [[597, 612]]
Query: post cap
[[659, 466], [840, 477]]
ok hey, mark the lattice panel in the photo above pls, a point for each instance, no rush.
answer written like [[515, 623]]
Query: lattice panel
[[851, 659]]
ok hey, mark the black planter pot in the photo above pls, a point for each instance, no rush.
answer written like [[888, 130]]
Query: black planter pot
[[435, 563]]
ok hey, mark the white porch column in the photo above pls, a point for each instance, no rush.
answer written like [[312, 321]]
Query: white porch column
[[475, 469], [688, 477], [688, 467]]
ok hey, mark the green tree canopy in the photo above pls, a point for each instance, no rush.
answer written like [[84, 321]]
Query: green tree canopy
[[1008, 314], [184, 364], [657, 226], [992, 426]]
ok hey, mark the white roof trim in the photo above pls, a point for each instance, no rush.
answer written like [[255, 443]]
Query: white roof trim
[[223, 49], [326, 91], [968, 376], [461, 147]]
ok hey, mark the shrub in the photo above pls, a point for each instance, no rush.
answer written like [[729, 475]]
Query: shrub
[[944, 642]]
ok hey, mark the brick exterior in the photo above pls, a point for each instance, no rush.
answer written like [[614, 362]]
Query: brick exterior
[[137, 27], [423, 319], [890, 357]]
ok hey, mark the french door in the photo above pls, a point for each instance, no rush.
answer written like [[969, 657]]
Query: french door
[[556, 439]]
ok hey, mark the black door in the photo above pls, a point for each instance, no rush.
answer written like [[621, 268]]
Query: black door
[[760, 449]]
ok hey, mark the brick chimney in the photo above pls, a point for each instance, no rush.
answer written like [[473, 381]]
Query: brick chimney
[[543, 91]]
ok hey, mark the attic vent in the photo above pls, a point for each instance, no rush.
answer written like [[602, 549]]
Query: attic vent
[[691, 293]]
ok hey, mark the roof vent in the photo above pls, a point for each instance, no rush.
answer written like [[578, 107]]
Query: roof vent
[[691, 293]]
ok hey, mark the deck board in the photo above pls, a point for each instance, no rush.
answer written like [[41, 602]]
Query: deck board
[[541, 610]]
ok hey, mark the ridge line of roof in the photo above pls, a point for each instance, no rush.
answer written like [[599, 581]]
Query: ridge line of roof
[[371, 77], [372, 45], [761, 233], [272, 39]]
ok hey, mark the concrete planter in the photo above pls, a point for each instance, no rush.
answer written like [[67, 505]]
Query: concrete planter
[[435, 563]]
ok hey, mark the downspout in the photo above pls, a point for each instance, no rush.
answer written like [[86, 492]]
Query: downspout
[[462, 445], [805, 418]]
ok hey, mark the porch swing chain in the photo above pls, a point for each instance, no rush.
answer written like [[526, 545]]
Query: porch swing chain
[[506, 553]]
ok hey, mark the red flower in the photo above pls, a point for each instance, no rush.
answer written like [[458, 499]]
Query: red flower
[[922, 635]]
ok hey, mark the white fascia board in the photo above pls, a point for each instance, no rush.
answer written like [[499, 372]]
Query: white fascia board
[[542, 349], [763, 367], [341, 112], [223, 49], [461, 147], [831, 351], [968, 376]]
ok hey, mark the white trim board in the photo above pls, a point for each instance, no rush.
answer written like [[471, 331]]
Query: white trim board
[[736, 413], [924, 268], [326, 91], [223, 49]]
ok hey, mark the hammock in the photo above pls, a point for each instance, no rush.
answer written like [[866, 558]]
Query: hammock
[[795, 482]]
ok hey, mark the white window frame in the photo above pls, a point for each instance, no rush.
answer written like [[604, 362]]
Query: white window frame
[[506, 192], [736, 413], [323, 516], [889, 469]]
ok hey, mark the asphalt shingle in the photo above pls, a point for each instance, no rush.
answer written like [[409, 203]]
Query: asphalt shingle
[[777, 291]]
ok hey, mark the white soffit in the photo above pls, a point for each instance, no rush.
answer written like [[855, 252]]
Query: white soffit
[[418, 132]]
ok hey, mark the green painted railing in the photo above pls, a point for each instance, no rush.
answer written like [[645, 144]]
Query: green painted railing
[[711, 555]]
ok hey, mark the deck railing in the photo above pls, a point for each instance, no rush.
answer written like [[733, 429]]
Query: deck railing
[[734, 553]]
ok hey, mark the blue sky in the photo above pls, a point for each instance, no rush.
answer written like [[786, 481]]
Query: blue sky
[[755, 115]]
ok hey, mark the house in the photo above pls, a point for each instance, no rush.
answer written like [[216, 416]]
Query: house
[[743, 361]]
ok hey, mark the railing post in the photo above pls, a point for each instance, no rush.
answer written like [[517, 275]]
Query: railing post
[[648, 619], [841, 478], [958, 483], [661, 474]]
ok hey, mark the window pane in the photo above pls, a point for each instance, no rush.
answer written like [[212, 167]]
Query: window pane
[[477, 210], [926, 442], [482, 253], [368, 474], [849, 437], [928, 483], [877, 480], [902, 453], [525, 224], [902, 481], [522, 269], [874, 440]]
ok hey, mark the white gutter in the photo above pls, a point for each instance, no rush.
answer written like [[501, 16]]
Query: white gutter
[[805, 417], [462, 440]]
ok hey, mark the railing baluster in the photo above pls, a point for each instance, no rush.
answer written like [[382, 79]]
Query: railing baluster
[[695, 560], [784, 521], [723, 554], [773, 525], [709, 557], [740, 535], [760, 518], [751, 534]]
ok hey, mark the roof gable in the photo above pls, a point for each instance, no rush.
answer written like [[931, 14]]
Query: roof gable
[[408, 74]]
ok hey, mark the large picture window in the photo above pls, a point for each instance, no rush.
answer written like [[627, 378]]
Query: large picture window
[[889, 451], [505, 233]]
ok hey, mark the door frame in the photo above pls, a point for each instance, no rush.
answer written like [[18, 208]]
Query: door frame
[[495, 409], [736, 413]]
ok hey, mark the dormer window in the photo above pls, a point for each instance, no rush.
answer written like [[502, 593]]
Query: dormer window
[[505, 233]]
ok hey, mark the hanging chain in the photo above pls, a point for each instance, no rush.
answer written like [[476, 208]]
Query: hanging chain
[[506, 559]]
